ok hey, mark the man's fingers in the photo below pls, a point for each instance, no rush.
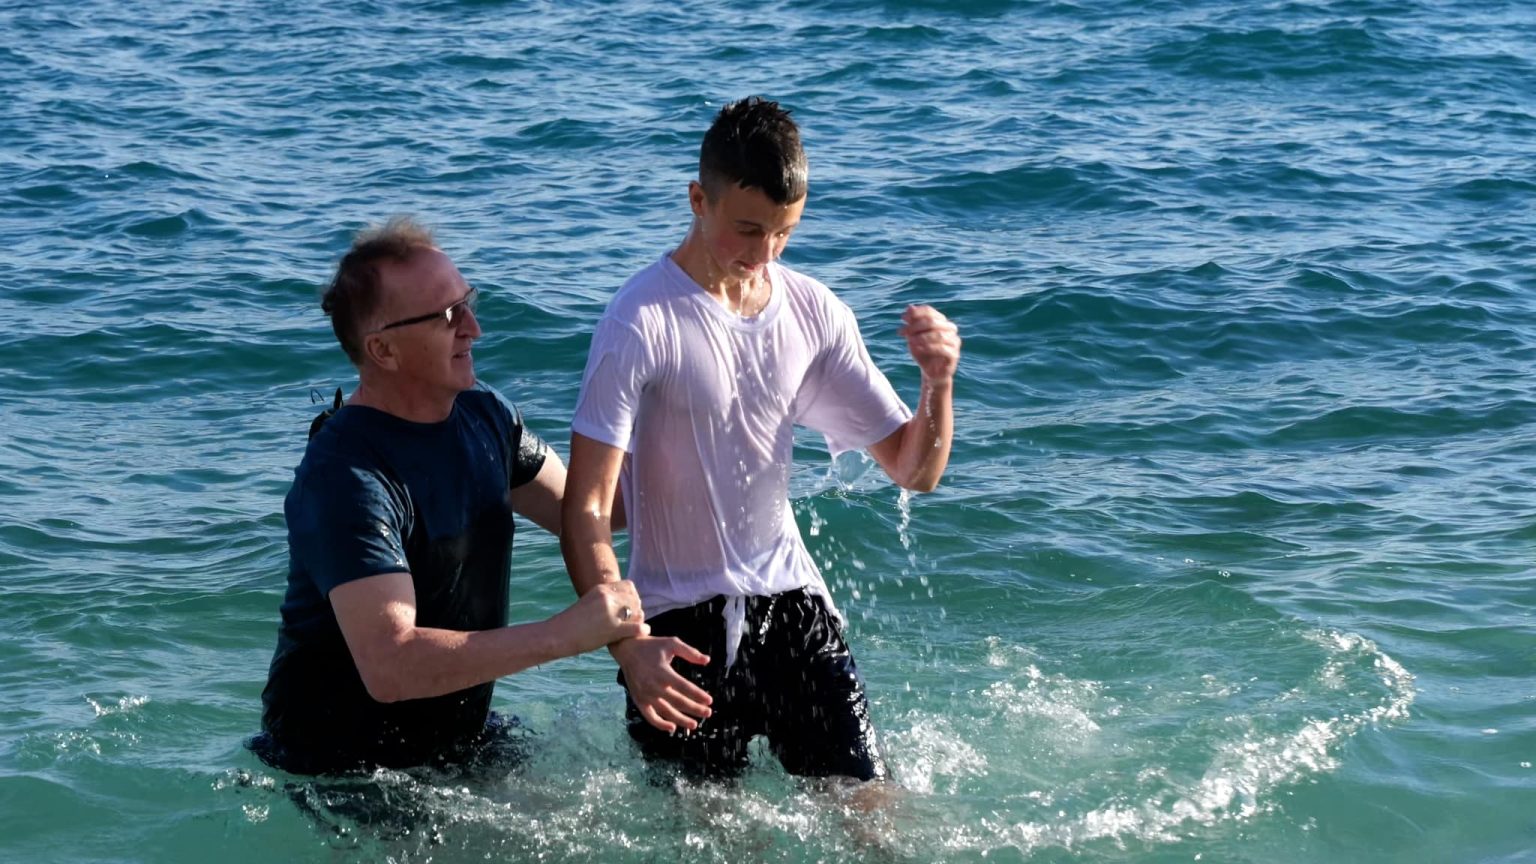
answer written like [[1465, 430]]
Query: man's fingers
[[914, 314], [670, 713], [654, 719], [935, 335], [690, 691], [631, 630], [940, 331], [687, 703], [688, 652], [686, 690], [929, 322]]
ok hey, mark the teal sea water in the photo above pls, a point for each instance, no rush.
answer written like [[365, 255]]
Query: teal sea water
[[1234, 561]]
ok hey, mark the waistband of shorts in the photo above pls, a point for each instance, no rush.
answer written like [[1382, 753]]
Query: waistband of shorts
[[715, 606]]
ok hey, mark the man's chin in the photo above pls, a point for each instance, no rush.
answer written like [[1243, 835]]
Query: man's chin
[[464, 376]]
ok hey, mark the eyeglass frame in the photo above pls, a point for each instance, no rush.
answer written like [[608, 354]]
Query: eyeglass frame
[[450, 318]]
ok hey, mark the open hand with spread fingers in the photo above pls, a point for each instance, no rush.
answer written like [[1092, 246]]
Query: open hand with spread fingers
[[665, 698]]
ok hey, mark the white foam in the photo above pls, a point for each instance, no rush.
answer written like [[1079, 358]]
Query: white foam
[[124, 705], [1241, 777]]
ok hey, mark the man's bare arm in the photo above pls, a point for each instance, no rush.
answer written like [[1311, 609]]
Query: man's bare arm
[[399, 660], [539, 499], [916, 454]]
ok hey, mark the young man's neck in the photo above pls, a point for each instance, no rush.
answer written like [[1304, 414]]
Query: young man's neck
[[415, 407], [739, 294]]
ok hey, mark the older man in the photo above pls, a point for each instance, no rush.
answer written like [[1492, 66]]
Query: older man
[[400, 524]]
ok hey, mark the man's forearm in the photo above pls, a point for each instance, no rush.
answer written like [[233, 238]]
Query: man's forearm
[[925, 442], [428, 661], [587, 546]]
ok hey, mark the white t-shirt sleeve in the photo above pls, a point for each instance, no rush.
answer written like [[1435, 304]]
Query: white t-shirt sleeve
[[847, 398], [617, 368]]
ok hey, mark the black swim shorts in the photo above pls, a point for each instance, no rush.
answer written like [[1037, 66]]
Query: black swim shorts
[[794, 681]]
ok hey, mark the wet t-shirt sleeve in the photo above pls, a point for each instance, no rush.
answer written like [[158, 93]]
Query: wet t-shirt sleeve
[[528, 449], [345, 524], [846, 397], [529, 452], [618, 369]]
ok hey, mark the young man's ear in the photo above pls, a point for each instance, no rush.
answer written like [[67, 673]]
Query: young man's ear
[[697, 198]]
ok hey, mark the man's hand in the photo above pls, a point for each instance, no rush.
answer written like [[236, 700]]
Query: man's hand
[[398, 660], [916, 453], [934, 342], [608, 613], [665, 698]]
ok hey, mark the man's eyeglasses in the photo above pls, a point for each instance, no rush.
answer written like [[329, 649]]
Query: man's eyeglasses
[[450, 317]]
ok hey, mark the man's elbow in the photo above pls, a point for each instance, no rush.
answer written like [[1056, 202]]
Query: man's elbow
[[919, 479], [382, 673], [921, 484], [384, 687]]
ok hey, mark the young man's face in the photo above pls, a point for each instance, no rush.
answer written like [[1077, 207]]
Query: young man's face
[[743, 229], [434, 353]]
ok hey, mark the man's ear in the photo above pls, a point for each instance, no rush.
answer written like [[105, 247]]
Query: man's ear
[[698, 199], [380, 351]]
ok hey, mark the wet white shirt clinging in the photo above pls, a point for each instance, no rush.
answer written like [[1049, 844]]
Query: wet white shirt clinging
[[704, 404]]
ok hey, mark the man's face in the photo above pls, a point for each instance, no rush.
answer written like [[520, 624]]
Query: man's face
[[743, 229], [433, 354]]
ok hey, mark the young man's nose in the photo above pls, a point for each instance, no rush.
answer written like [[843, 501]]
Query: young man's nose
[[764, 250]]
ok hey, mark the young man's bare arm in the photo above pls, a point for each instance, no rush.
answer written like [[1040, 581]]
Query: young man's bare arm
[[541, 499], [666, 699], [915, 455]]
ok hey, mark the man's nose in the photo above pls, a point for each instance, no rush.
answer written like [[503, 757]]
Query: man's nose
[[765, 250], [471, 325]]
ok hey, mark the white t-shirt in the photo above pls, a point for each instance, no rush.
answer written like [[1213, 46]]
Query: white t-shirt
[[704, 402]]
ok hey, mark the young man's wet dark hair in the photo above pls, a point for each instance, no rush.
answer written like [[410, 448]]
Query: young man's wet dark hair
[[754, 144]]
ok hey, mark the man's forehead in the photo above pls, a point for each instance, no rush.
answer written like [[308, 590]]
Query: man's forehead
[[427, 268], [754, 206]]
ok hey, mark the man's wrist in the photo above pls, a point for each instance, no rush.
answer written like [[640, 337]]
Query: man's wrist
[[613, 648], [938, 384]]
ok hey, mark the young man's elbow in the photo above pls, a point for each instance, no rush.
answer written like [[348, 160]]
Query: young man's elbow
[[914, 479], [922, 484]]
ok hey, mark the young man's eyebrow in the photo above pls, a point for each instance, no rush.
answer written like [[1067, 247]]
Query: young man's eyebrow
[[750, 224]]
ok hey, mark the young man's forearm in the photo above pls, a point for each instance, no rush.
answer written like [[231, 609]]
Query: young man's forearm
[[586, 543], [587, 546], [925, 443]]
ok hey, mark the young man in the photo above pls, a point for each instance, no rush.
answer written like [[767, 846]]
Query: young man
[[394, 627], [699, 369]]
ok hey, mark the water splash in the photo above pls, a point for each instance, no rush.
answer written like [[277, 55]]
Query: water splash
[[1243, 773], [124, 705]]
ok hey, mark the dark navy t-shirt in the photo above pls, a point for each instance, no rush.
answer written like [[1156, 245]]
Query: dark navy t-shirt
[[378, 494]]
